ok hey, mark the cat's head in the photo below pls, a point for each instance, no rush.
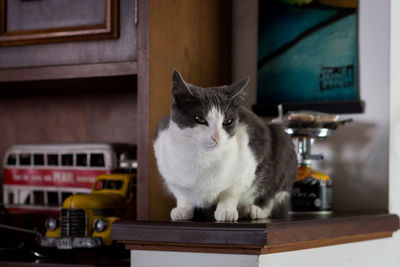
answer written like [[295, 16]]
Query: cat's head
[[208, 116]]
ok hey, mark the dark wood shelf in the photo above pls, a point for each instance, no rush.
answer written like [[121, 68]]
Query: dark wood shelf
[[69, 71], [255, 237]]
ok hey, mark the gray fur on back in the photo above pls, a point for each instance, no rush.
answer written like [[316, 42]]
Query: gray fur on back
[[277, 160]]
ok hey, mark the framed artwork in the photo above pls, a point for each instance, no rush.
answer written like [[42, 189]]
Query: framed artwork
[[307, 56], [47, 21]]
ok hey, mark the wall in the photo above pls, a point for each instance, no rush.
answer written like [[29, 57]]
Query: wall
[[394, 147], [356, 156], [394, 166]]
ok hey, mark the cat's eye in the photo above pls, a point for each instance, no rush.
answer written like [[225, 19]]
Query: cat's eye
[[200, 120], [227, 122]]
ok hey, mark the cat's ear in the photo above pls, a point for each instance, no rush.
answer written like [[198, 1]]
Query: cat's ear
[[179, 85], [237, 88]]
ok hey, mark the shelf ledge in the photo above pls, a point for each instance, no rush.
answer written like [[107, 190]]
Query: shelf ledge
[[254, 237], [68, 71]]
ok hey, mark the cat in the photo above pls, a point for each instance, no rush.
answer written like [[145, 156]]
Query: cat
[[213, 152]]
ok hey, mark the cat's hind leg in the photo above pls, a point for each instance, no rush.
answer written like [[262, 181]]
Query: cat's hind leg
[[276, 207]]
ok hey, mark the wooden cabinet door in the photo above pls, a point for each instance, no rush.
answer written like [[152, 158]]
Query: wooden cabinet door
[[33, 22], [52, 32]]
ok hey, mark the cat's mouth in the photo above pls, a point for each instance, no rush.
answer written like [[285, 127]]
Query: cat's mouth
[[211, 145]]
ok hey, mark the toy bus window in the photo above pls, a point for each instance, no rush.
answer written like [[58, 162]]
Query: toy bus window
[[10, 197], [38, 159], [108, 184], [96, 160], [113, 185], [52, 198], [52, 160], [27, 199], [25, 159], [38, 197], [12, 159], [81, 160], [64, 195], [66, 160], [99, 185]]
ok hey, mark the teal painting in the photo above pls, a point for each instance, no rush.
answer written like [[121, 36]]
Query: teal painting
[[307, 51]]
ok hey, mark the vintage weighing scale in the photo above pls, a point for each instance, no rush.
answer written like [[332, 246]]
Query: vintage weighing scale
[[312, 189]]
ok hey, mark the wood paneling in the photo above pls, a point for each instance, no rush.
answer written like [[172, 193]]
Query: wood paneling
[[194, 37], [255, 237]]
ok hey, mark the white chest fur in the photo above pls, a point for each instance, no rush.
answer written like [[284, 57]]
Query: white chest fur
[[201, 175]]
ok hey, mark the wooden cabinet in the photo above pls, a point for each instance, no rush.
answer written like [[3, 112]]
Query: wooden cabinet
[[100, 40], [115, 89], [33, 22]]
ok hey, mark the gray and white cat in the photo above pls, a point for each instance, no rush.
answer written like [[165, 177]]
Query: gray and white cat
[[211, 151]]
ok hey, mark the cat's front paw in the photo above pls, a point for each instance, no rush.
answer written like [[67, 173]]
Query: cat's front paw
[[226, 214], [182, 213]]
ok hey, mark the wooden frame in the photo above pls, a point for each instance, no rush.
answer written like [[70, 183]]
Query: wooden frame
[[143, 84], [107, 30]]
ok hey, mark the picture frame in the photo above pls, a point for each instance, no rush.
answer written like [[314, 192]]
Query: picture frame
[[307, 57]]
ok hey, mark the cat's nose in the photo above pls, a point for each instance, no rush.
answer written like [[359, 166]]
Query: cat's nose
[[215, 139]]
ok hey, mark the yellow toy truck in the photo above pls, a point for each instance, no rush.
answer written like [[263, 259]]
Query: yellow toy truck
[[86, 218]]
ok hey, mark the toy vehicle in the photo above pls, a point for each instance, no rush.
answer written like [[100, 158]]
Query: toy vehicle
[[86, 218], [39, 177]]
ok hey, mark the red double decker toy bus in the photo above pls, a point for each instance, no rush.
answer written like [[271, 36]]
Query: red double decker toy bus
[[39, 177]]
